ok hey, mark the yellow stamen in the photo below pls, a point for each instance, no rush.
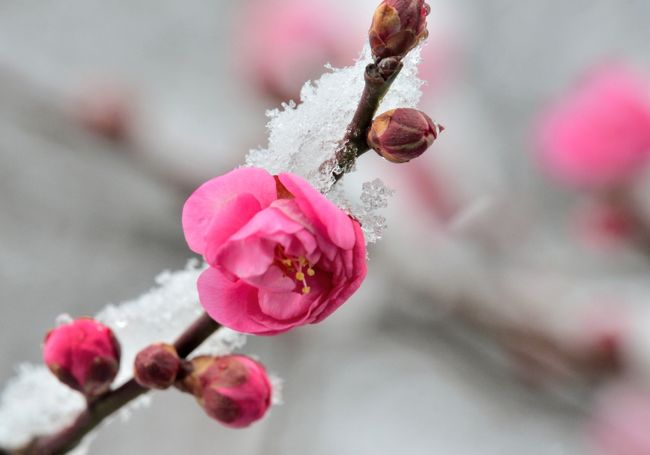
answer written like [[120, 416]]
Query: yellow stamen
[[306, 290], [311, 272], [300, 276]]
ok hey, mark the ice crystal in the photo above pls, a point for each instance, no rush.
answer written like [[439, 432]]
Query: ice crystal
[[34, 402], [277, 384], [374, 197], [304, 136]]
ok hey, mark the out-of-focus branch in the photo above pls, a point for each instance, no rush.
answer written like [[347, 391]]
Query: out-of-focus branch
[[536, 351]]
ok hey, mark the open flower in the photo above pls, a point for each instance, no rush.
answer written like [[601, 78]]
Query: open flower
[[280, 254]]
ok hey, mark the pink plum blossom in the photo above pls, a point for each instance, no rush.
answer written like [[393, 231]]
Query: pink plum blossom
[[599, 134], [84, 355], [280, 254]]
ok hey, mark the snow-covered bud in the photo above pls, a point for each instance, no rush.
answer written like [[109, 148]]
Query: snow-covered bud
[[397, 27], [84, 355], [233, 389], [157, 366], [400, 135]]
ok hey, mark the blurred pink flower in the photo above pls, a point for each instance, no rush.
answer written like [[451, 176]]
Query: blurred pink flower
[[620, 424], [287, 42], [281, 255], [599, 134], [84, 355]]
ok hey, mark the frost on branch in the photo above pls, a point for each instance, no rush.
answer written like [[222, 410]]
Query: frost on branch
[[162, 315], [34, 402], [303, 136]]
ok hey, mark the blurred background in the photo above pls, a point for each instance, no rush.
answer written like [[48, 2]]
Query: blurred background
[[506, 310]]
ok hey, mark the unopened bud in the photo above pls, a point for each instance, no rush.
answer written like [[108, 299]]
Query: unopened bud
[[400, 135], [157, 366], [397, 27], [233, 389], [84, 355]]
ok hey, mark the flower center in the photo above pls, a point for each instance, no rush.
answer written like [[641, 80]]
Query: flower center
[[297, 267]]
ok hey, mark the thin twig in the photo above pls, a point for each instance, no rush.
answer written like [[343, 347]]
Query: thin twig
[[378, 79], [69, 437]]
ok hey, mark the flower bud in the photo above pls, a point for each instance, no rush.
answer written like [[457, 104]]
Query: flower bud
[[157, 366], [84, 355], [234, 389], [402, 134], [397, 27]]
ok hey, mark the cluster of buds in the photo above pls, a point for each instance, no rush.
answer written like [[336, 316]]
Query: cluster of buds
[[84, 355], [233, 389]]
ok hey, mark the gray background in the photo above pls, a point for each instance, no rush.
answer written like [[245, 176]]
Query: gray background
[[83, 224]]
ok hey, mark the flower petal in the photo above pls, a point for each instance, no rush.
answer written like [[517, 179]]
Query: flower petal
[[282, 306], [251, 251], [328, 218], [350, 285], [227, 220], [273, 280], [229, 303], [247, 257], [201, 206]]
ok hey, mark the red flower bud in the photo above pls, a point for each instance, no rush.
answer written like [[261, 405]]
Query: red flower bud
[[402, 134], [157, 366], [397, 27], [84, 355], [234, 389]]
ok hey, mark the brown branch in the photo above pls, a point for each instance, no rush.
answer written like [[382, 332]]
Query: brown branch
[[378, 79], [96, 411]]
